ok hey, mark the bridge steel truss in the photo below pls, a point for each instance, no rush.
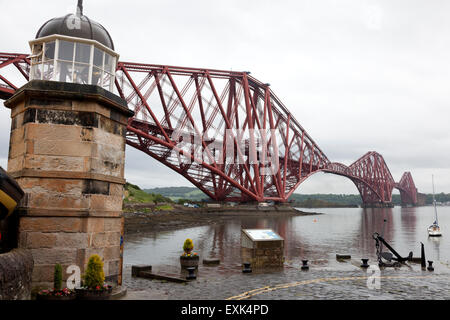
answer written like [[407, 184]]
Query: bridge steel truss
[[408, 190], [371, 176], [227, 133]]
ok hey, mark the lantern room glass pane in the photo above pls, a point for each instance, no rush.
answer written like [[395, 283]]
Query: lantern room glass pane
[[37, 48], [49, 51], [98, 58], [81, 73], [65, 51], [35, 73], [107, 81], [83, 53], [37, 54], [64, 71], [109, 60], [48, 70], [96, 76]]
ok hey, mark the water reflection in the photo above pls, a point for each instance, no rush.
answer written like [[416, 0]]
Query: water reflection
[[408, 220], [317, 238], [373, 220]]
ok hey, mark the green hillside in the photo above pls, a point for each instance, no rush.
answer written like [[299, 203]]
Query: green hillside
[[355, 199], [318, 200], [326, 200], [133, 194], [176, 193]]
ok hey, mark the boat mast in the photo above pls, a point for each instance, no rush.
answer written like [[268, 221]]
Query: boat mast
[[434, 202]]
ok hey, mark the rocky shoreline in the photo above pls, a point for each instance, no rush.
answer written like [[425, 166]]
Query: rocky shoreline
[[138, 220]]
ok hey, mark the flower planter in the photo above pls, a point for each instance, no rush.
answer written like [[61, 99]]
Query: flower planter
[[55, 297], [93, 294], [187, 262]]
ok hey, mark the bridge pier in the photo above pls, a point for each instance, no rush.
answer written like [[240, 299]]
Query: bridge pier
[[378, 205]]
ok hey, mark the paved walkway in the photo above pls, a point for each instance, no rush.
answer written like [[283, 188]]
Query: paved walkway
[[291, 283]]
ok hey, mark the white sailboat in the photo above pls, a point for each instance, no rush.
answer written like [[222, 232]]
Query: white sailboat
[[434, 230]]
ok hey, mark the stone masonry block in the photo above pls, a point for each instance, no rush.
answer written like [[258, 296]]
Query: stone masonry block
[[106, 167], [99, 240], [116, 189], [15, 164], [104, 202], [48, 201], [72, 240], [50, 224], [40, 240], [62, 148], [17, 149], [102, 137], [54, 163], [60, 187], [113, 267], [54, 255], [113, 238], [53, 132], [44, 272], [93, 225], [17, 136], [111, 253], [113, 224]]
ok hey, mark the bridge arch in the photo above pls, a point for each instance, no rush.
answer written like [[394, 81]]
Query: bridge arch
[[371, 177], [374, 181]]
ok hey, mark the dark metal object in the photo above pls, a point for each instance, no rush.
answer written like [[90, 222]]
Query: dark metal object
[[364, 263], [430, 266], [247, 268], [191, 275], [80, 8], [305, 265], [422, 256], [387, 255], [137, 269]]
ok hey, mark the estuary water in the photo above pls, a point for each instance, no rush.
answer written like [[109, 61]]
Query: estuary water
[[317, 238]]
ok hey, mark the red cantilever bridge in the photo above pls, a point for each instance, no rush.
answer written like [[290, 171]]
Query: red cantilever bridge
[[227, 133]]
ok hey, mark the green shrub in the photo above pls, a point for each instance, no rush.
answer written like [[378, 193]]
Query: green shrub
[[94, 276], [57, 277]]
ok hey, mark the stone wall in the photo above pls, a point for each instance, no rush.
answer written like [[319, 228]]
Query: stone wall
[[67, 152], [262, 254], [16, 268], [265, 256]]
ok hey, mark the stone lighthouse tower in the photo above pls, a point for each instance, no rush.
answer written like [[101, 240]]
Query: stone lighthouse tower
[[67, 149]]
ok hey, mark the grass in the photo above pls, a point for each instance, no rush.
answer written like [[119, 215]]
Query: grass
[[165, 207], [134, 194]]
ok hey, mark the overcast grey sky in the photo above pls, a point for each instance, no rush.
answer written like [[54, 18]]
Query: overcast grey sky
[[360, 75]]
